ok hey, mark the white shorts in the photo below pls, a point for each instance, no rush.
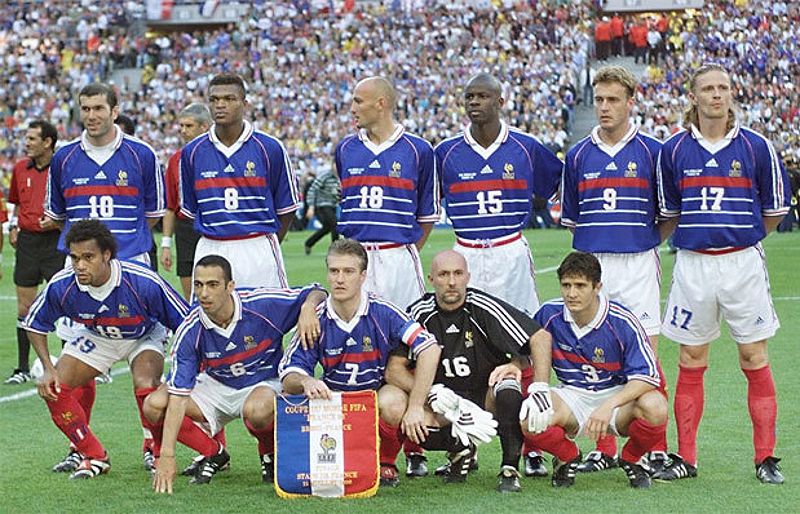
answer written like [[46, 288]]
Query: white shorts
[[256, 261], [634, 280], [503, 269], [707, 288], [101, 353], [583, 403], [394, 273], [221, 404]]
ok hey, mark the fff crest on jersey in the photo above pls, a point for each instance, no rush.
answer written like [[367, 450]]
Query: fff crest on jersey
[[599, 355], [508, 171], [328, 445], [366, 344], [122, 178], [630, 171], [250, 169], [395, 170], [468, 339], [736, 169], [249, 342], [123, 311]]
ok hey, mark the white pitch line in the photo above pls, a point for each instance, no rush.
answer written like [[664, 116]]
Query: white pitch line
[[32, 392]]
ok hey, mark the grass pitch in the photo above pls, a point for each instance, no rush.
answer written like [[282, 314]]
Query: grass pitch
[[31, 444]]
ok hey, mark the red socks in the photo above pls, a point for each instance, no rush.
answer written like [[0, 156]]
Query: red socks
[[85, 395], [410, 446], [607, 445], [69, 417], [554, 441], [641, 438], [763, 406], [689, 398], [390, 442], [265, 437], [140, 394]]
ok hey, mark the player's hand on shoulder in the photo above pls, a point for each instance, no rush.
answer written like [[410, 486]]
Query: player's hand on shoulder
[[316, 389], [164, 474], [308, 328]]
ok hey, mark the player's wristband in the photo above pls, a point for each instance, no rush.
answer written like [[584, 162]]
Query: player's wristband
[[166, 242]]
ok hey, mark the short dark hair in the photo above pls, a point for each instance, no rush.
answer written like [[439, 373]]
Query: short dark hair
[[219, 261], [580, 264], [98, 88], [228, 79], [352, 247], [127, 124], [48, 131], [86, 230]]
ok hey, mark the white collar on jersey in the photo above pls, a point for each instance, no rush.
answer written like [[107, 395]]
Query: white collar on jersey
[[100, 154], [488, 151], [237, 315], [100, 293], [719, 145], [228, 151], [376, 149], [602, 311], [348, 326], [614, 150]]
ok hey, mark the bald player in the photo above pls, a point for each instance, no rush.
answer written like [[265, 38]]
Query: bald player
[[390, 195]]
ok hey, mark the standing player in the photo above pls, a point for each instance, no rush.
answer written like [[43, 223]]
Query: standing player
[[724, 187], [609, 202], [120, 310], [238, 186], [107, 175], [390, 195], [358, 332], [37, 255], [607, 374], [477, 333], [194, 119], [489, 175], [322, 197], [224, 365]]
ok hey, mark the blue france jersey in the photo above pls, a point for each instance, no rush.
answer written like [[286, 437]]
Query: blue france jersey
[[353, 354], [125, 308], [121, 192], [610, 351], [237, 191], [246, 352], [489, 190], [609, 194], [387, 189], [721, 191]]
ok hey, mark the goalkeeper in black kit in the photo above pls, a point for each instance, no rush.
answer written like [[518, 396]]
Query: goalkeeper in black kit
[[485, 345]]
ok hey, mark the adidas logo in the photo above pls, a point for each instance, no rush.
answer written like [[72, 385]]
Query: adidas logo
[[759, 320], [611, 166], [712, 163], [375, 164], [350, 342], [230, 346], [228, 169], [100, 175], [452, 329], [644, 316], [102, 309], [486, 170]]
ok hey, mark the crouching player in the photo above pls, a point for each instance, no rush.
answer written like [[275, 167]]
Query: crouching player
[[607, 374], [485, 344], [119, 310], [224, 365], [358, 331]]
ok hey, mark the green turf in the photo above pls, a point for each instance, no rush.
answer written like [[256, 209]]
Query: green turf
[[30, 443]]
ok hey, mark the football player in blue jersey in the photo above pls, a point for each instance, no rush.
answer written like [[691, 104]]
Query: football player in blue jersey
[[238, 186], [119, 309], [359, 330], [725, 188], [609, 202], [223, 366], [390, 192], [607, 375]]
